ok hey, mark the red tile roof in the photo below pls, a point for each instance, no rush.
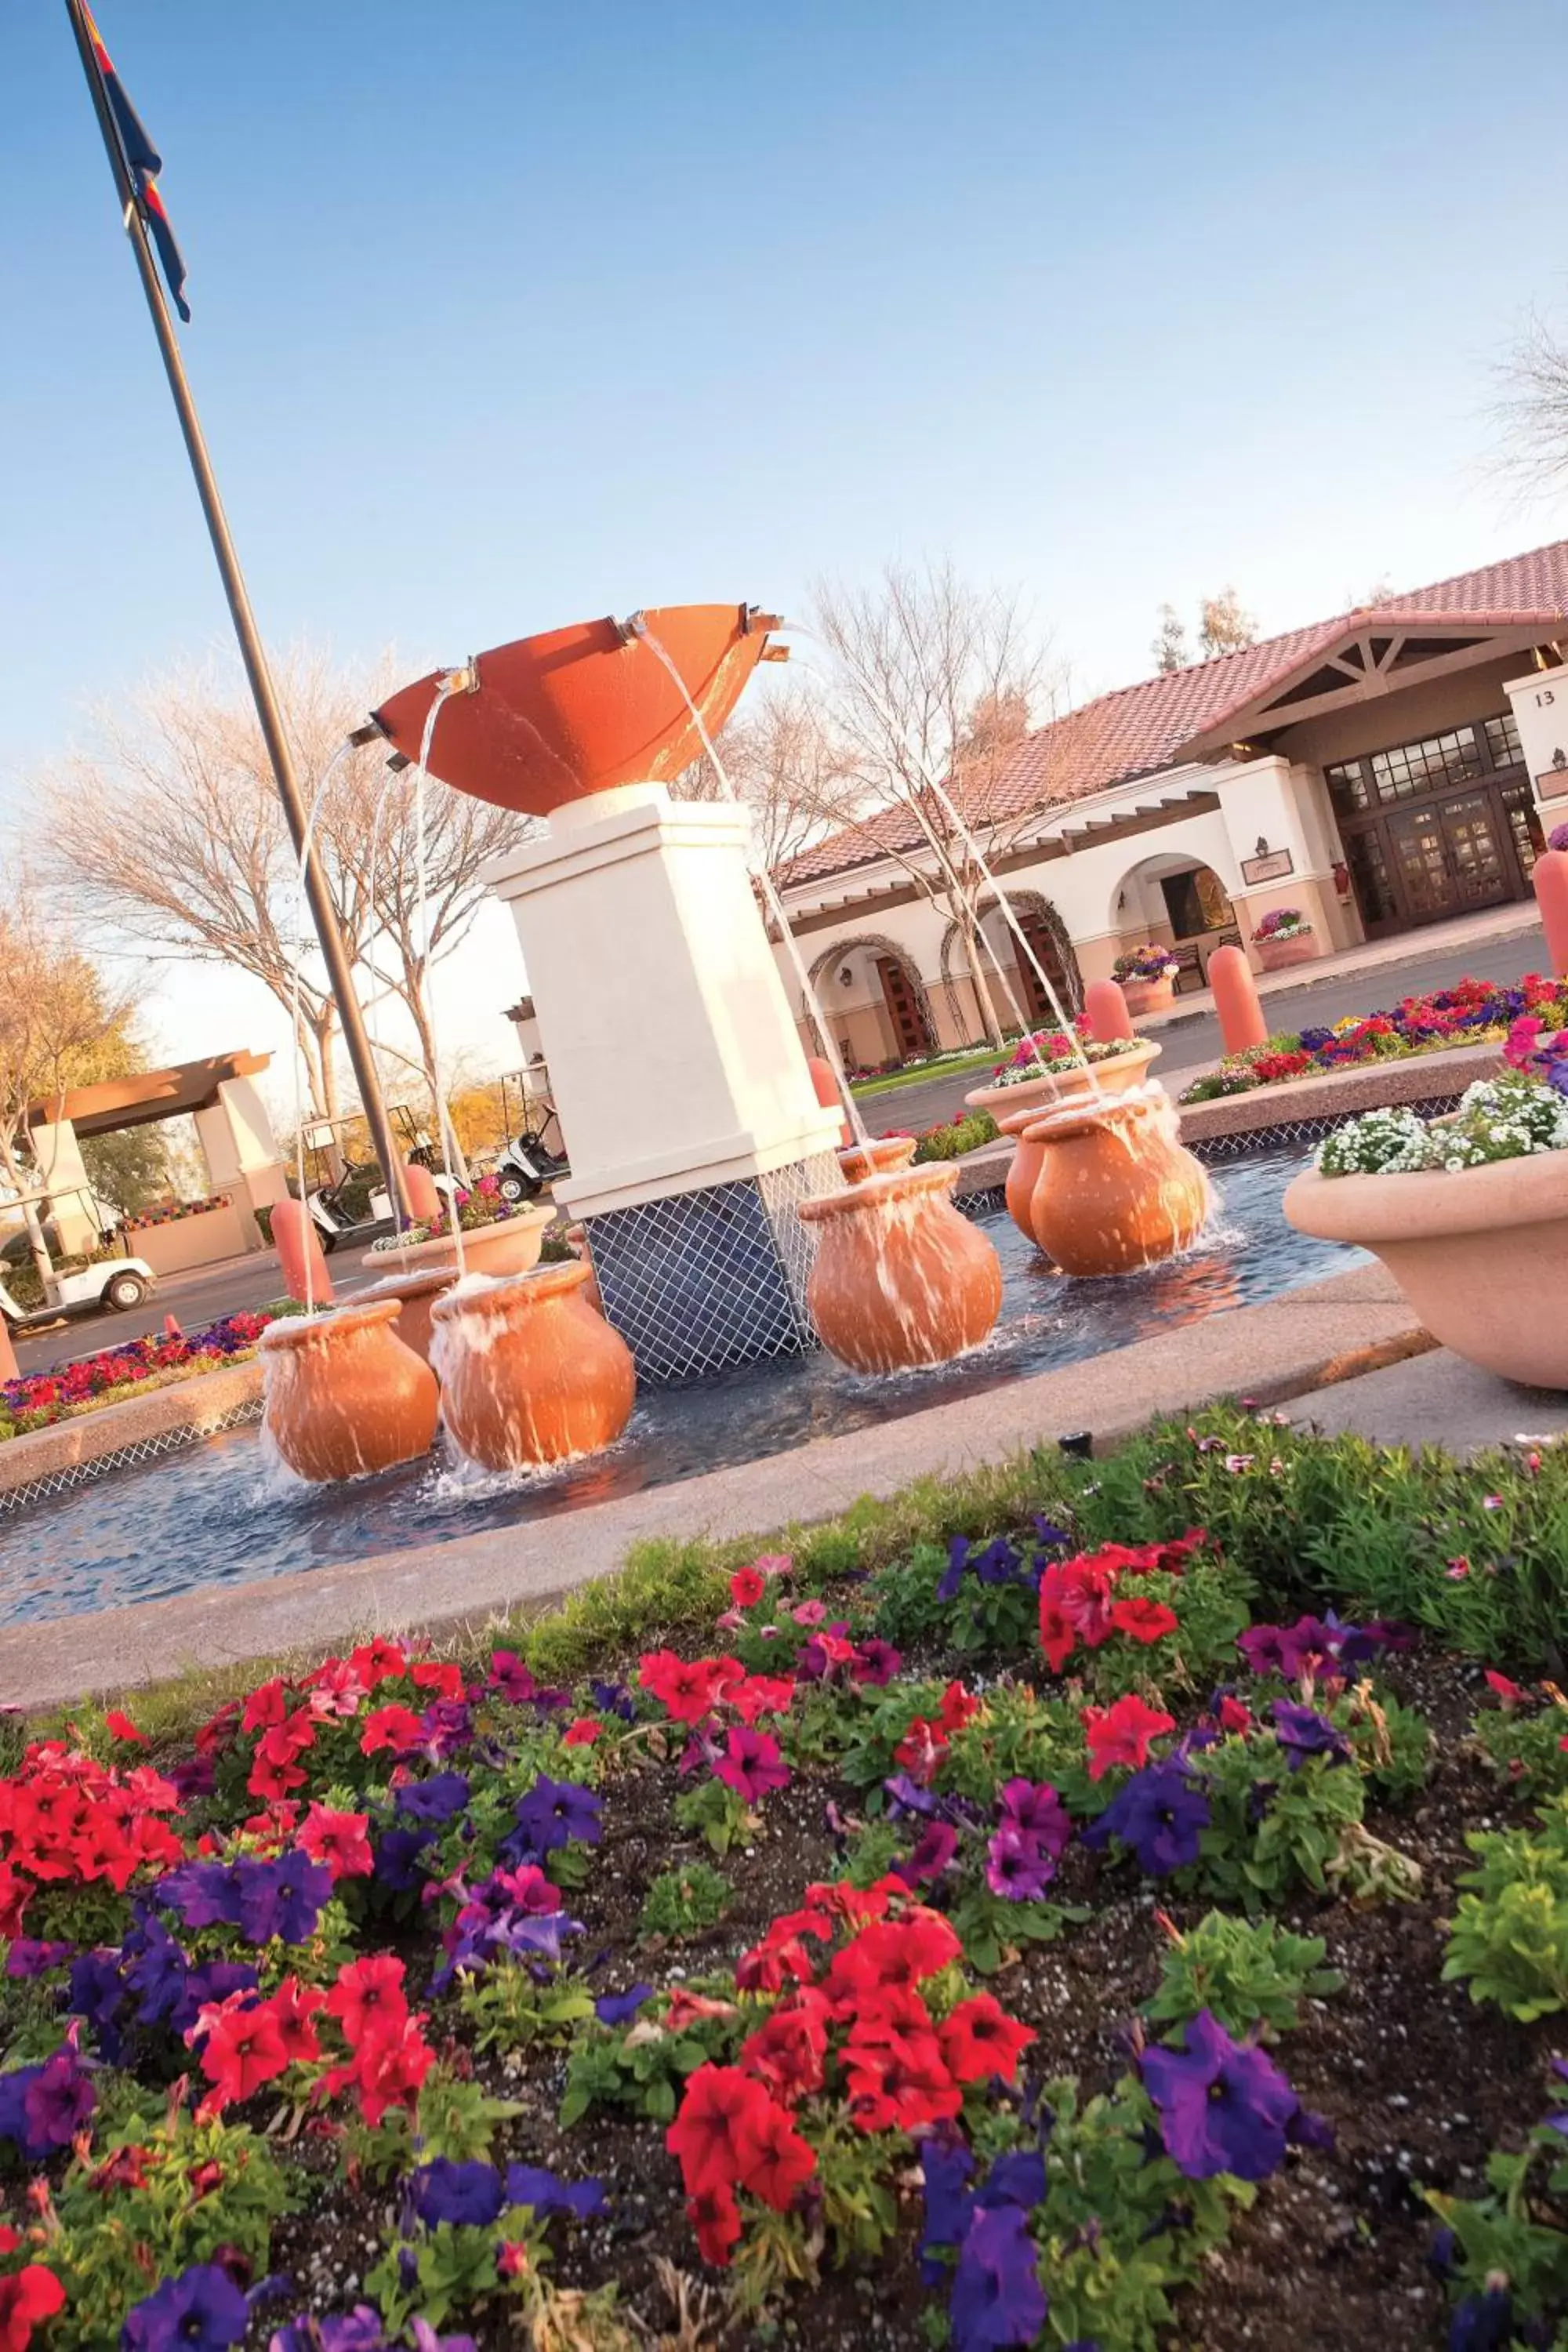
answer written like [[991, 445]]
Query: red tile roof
[[1140, 730]]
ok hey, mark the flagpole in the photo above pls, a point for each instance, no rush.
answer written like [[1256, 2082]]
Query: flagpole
[[339, 975]]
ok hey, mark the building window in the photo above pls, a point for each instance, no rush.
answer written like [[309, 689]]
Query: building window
[[1523, 823], [1417, 771]]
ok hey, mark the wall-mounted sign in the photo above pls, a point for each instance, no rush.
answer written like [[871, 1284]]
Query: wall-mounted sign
[[1272, 868], [1553, 784]]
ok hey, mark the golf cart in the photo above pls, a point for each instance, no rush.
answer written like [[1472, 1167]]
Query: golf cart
[[536, 1156], [347, 1197], [113, 1282]]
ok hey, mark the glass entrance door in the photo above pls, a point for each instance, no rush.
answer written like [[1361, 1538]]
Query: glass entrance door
[[1449, 859]]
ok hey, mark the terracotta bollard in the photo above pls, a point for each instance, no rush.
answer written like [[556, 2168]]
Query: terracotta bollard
[[424, 1200], [1105, 1009], [828, 1093], [1241, 1020], [299, 1249], [1550, 881]]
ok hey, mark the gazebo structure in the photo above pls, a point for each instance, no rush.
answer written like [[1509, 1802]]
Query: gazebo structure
[[233, 1132]]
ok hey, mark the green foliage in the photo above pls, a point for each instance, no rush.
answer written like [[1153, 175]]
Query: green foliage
[[957, 1137], [130, 1168], [643, 2067], [871, 1852], [122, 2226], [994, 1931], [714, 1812], [1510, 1937], [1250, 1973], [1505, 2232], [1272, 1829], [456, 2118], [1527, 1750], [685, 1901], [510, 2008], [859, 2207], [1119, 2230], [455, 2268]]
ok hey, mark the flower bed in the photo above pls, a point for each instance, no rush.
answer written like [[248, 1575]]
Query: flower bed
[[171, 1212], [38, 1399], [808, 1981], [1469, 1014]]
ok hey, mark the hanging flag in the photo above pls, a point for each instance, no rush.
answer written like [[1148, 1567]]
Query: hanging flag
[[143, 164]]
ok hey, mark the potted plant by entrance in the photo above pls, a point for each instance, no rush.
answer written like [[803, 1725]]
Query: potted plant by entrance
[[343, 1395], [1053, 1066], [1469, 1214], [530, 1373], [901, 1277], [1116, 1188], [1148, 978], [1284, 937]]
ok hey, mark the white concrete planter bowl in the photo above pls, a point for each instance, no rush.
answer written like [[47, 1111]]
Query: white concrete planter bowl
[[1481, 1254], [1117, 1075]]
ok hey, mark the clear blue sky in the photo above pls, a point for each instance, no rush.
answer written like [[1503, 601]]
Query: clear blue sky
[[508, 315]]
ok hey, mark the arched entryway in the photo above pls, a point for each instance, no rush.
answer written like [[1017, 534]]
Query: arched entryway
[[1050, 947], [1177, 899], [869, 992]]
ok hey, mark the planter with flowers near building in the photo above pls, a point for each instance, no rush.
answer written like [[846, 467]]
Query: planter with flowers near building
[[1284, 937], [1148, 978]]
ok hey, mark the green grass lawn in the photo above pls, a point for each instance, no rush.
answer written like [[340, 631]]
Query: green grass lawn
[[985, 1057]]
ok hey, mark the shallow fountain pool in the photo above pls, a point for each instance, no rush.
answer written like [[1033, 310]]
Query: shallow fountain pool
[[220, 1513]]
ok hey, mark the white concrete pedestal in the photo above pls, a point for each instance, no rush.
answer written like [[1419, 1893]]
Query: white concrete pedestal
[[678, 1073]]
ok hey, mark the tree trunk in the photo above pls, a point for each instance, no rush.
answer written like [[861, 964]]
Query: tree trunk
[[969, 930], [39, 1247]]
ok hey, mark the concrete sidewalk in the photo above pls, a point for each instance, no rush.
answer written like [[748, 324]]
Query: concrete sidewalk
[[1435, 1399]]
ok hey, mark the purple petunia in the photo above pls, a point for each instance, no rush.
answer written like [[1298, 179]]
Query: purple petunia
[[1302, 1732], [1160, 1815], [434, 1800], [283, 1899], [752, 1764], [934, 1852], [1034, 1809], [997, 2298], [945, 2169], [1016, 1868], [1223, 2107], [201, 2308], [468, 2195], [546, 2192], [553, 1813], [58, 2102], [875, 1663], [615, 2008]]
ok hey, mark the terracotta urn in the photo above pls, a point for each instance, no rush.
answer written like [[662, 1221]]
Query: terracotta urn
[[343, 1394], [1481, 1254], [1047, 1088], [1279, 955], [1116, 1189], [877, 1157], [530, 1374], [415, 1294], [1146, 996], [510, 1246], [901, 1277]]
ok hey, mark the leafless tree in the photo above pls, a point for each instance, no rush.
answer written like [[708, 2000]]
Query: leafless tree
[[1170, 647], [781, 758], [169, 834], [933, 685], [55, 1009], [1531, 408]]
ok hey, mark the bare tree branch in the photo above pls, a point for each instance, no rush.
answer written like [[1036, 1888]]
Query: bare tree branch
[[1531, 408]]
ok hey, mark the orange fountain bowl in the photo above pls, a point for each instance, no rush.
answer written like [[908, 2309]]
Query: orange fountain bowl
[[579, 711]]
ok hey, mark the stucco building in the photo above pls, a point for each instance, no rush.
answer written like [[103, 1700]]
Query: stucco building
[[1387, 769]]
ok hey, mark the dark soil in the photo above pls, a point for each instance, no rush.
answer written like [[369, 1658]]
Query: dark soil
[[1419, 2085]]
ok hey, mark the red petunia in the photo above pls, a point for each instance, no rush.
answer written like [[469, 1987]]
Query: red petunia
[[268, 1704], [1234, 1713], [378, 1662], [957, 1708], [1144, 1621], [747, 1588], [716, 2218], [443, 1677], [1511, 1694], [293, 2006], [582, 1733], [390, 2073], [1121, 1733], [122, 1728], [27, 2297], [756, 1694], [687, 1689], [396, 1727], [368, 1999], [980, 2040], [786, 2053], [921, 1749], [242, 2048], [339, 1840], [900, 2085], [775, 2162], [708, 2136]]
